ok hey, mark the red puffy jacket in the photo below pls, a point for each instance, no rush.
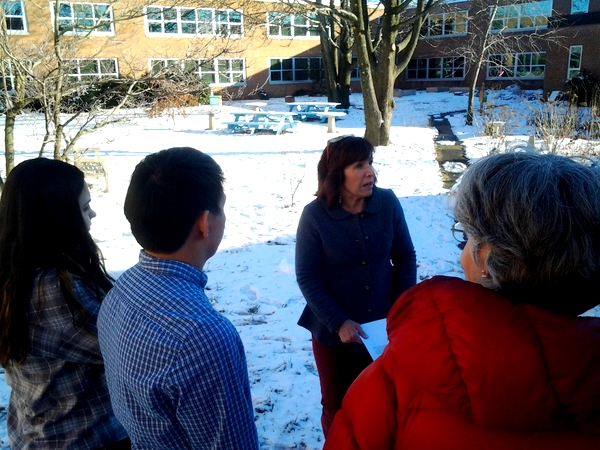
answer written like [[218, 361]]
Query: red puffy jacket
[[468, 369]]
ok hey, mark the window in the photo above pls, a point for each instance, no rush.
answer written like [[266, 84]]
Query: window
[[445, 24], [575, 52], [7, 78], [193, 21], [283, 70], [84, 17], [354, 75], [447, 68], [221, 71], [93, 69], [523, 15], [14, 15], [290, 25], [516, 65], [579, 6]]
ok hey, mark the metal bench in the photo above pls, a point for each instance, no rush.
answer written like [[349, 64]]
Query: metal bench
[[250, 121]]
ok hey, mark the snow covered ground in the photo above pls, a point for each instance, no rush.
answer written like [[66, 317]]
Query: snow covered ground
[[269, 179]]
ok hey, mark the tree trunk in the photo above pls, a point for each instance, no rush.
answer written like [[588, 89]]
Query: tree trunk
[[9, 139], [337, 58], [373, 116]]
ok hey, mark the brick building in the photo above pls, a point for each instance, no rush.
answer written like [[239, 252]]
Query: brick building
[[543, 44], [240, 46]]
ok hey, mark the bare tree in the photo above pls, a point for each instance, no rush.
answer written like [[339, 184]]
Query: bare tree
[[337, 42], [384, 48], [491, 32], [79, 95]]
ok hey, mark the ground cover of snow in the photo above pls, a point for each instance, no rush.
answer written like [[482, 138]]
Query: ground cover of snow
[[269, 179]]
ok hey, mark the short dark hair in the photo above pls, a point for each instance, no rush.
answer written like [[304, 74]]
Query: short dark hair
[[540, 217], [169, 190], [339, 154]]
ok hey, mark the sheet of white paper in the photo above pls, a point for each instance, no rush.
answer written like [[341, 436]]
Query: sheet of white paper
[[377, 339]]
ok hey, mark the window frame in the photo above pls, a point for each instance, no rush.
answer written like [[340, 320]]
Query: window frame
[[97, 20], [215, 71], [428, 66], [570, 67], [80, 77], [14, 17], [293, 26], [518, 12], [177, 20], [295, 68], [428, 27], [516, 66]]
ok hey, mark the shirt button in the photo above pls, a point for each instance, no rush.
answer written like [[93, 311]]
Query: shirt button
[[364, 262], [367, 288], [362, 216], [367, 238], [370, 311]]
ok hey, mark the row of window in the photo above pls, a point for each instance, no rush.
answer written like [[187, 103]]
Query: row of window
[[222, 71], [227, 71], [505, 18], [164, 20], [508, 65]]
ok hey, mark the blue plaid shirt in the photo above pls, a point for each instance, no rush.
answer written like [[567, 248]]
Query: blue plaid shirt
[[176, 368], [59, 397]]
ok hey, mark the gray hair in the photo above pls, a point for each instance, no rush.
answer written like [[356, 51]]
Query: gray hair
[[540, 217]]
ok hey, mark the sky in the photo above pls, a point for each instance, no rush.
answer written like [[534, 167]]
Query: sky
[[269, 180]]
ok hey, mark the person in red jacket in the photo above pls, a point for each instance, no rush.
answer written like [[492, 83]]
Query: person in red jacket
[[503, 360]]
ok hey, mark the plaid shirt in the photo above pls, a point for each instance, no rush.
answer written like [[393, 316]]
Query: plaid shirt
[[176, 368], [59, 397]]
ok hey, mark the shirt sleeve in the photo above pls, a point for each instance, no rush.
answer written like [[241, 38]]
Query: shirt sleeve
[[403, 254], [309, 270], [210, 382], [52, 332]]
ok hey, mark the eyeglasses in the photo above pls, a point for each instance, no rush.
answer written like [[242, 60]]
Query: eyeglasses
[[459, 234], [333, 141]]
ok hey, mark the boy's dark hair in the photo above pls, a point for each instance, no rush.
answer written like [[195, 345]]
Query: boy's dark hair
[[169, 190]]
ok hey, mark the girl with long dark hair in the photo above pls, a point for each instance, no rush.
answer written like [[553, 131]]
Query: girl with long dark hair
[[52, 281]]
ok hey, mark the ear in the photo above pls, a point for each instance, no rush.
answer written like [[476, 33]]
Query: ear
[[482, 255], [202, 225]]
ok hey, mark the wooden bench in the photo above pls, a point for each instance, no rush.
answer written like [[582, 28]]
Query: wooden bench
[[92, 167], [330, 116]]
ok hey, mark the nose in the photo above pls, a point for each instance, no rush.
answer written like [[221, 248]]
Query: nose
[[92, 213], [370, 171]]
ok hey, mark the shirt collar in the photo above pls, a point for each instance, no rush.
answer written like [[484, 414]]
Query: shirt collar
[[169, 267], [373, 205]]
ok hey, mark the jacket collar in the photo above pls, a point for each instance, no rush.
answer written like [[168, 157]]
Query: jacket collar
[[373, 205]]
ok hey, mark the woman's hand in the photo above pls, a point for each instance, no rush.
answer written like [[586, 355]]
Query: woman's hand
[[351, 331]]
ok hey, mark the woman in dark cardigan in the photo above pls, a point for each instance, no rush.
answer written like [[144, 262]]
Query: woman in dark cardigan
[[354, 257]]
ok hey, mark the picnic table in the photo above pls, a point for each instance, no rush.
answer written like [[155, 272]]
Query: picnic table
[[330, 116], [250, 121], [256, 106], [311, 110]]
